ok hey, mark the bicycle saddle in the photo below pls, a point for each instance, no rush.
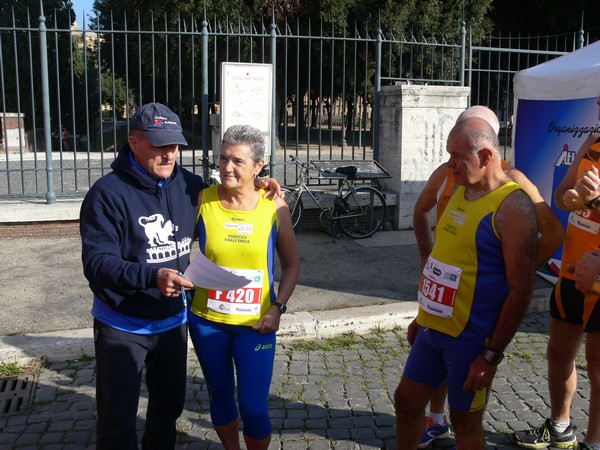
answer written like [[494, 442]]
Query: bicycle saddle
[[349, 171]]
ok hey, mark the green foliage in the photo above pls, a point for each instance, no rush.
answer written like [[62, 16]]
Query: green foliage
[[166, 66], [55, 11], [23, 76], [11, 369], [344, 340], [327, 17], [545, 17], [338, 12], [398, 17]]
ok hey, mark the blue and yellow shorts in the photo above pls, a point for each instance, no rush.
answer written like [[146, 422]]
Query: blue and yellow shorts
[[436, 356]]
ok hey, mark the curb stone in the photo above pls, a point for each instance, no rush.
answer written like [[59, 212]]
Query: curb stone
[[66, 345]]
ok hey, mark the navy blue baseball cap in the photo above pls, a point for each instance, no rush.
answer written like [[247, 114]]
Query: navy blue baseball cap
[[160, 125]]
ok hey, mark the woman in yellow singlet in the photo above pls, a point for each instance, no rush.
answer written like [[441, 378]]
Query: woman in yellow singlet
[[241, 231]]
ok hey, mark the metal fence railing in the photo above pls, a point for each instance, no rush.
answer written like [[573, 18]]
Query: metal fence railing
[[89, 79]]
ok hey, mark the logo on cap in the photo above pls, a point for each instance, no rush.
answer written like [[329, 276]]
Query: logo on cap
[[162, 121], [160, 125]]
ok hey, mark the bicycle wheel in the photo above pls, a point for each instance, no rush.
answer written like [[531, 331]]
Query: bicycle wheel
[[294, 202], [366, 211]]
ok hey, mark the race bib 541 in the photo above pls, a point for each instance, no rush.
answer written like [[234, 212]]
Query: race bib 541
[[437, 288]]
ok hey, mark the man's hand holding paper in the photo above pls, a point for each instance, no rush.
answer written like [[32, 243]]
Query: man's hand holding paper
[[205, 273]]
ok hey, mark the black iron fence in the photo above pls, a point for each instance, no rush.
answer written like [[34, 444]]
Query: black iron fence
[[66, 93]]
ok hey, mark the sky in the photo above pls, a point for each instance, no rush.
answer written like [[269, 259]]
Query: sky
[[79, 6]]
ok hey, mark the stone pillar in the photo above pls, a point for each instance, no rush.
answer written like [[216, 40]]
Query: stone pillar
[[414, 125], [13, 132]]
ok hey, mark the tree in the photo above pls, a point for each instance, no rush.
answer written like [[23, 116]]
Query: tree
[[546, 17], [21, 74], [150, 63]]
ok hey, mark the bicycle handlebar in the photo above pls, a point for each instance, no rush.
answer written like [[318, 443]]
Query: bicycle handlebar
[[326, 173], [206, 162], [297, 161]]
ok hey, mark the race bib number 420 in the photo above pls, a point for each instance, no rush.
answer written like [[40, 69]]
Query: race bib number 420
[[244, 301], [437, 288]]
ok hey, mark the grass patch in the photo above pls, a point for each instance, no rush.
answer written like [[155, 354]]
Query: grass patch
[[378, 330], [306, 346], [344, 340], [522, 354], [373, 342], [12, 369], [86, 358], [404, 346], [296, 396], [581, 361]]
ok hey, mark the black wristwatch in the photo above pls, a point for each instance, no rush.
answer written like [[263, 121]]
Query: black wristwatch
[[281, 306], [492, 357], [594, 204]]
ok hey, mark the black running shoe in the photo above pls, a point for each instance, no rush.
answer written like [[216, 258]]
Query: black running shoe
[[545, 436]]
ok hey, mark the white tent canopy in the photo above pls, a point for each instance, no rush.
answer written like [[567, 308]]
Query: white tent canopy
[[555, 112], [572, 76]]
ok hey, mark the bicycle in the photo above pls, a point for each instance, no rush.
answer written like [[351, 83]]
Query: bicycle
[[359, 211], [214, 177]]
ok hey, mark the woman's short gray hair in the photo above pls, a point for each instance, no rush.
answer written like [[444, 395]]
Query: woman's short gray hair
[[246, 135]]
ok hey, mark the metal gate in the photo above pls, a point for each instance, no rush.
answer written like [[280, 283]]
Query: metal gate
[[67, 93]]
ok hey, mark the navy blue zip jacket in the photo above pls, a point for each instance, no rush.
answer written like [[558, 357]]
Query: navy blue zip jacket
[[130, 227]]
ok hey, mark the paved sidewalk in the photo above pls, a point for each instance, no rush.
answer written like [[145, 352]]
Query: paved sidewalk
[[331, 394], [330, 397], [348, 285]]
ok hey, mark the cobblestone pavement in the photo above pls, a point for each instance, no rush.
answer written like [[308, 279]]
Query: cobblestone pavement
[[333, 394]]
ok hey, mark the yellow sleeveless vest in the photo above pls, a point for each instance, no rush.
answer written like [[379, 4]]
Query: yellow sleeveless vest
[[244, 243], [463, 286]]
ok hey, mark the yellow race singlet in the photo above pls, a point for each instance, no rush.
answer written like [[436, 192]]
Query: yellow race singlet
[[463, 285], [448, 187], [242, 242]]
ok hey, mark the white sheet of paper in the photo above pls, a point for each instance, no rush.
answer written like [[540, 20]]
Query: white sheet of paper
[[205, 273]]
